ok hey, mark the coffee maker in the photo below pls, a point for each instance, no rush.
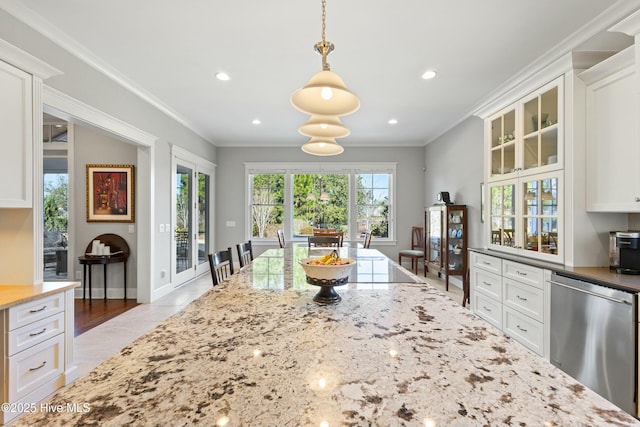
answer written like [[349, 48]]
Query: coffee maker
[[628, 243]]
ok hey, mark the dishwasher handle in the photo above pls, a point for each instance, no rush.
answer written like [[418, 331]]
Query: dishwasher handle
[[620, 301]]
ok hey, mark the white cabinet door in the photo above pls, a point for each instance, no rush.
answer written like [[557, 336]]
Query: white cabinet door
[[612, 144], [16, 122]]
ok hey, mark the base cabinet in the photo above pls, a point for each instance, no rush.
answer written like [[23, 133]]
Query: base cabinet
[[510, 296], [36, 337]]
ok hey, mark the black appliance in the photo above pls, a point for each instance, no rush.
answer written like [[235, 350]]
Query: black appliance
[[628, 242]]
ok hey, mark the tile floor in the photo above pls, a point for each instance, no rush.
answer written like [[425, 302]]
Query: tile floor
[[98, 344]]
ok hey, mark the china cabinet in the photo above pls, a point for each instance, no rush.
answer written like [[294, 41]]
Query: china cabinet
[[447, 240]]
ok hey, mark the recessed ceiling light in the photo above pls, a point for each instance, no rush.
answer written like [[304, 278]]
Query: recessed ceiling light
[[256, 121], [393, 121], [429, 74], [221, 75]]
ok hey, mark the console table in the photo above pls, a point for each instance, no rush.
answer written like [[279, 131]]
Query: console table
[[120, 253]]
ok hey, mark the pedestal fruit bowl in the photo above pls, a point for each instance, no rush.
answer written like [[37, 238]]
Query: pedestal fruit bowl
[[327, 271]]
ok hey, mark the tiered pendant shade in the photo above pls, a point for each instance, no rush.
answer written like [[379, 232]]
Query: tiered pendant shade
[[322, 147], [325, 94], [324, 126]]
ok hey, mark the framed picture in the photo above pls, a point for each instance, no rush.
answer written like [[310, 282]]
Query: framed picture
[[110, 195]]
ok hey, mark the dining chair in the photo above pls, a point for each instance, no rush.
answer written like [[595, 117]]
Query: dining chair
[[417, 249], [221, 264], [324, 241], [245, 253], [367, 239], [281, 240]]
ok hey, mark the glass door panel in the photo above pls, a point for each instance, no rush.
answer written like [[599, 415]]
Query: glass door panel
[[503, 140], [540, 203], [435, 236], [502, 215], [204, 235], [184, 225]]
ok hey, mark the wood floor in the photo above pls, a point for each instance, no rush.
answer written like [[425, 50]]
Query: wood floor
[[89, 316]]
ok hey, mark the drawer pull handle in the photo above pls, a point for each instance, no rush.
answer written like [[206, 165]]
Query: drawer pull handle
[[521, 273], [35, 334], [38, 310], [38, 367], [486, 308], [522, 329], [637, 199], [486, 262], [486, 283], [521, 298]]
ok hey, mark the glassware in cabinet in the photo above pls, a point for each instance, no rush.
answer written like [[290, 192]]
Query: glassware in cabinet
[[503, 143]]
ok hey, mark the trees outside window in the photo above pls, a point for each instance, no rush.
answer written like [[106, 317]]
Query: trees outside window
[[300, 198]]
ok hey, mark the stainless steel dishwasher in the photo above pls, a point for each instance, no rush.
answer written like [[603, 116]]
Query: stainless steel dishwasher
[[593, 337]]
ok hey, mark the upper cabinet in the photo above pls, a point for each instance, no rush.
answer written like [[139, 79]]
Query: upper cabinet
[[524, 144], [16, 115], [612, 140], [526, 137]]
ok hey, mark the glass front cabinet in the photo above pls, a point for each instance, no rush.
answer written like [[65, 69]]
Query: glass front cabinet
[[524, 174], [447, 240]]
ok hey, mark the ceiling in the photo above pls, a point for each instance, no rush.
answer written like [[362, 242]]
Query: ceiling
[[168, 51]]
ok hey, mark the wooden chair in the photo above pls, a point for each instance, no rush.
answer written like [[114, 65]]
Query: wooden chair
[[367, 239], [339, 235], [245, 253], [466, 288], [324, 241], [416, 253], [281, 240], [221, 264]]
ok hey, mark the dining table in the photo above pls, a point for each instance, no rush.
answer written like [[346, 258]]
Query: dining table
[[256, 350]]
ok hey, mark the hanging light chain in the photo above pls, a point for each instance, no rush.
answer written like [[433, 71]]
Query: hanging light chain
[[324, 47], [324, 20]]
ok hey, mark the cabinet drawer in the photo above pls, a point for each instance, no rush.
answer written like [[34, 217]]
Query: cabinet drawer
[[523, 329], [524, 298], [488, 308], [31, 311], [487, 283], [523, 273], [34, 333], [35, 366], [486, 262]]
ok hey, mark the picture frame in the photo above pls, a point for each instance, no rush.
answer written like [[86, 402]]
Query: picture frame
[[110, 193]]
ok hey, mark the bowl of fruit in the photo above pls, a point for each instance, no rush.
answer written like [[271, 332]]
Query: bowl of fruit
[[330, 268]]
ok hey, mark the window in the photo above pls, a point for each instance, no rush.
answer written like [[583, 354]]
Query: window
[[267, 205], [298, 197]]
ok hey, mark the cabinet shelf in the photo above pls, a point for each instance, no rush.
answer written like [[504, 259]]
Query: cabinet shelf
[[446, 227]]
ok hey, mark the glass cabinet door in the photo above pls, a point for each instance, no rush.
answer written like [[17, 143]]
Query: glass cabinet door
[[503, 144], [540, 130], [456, 239], [540, 214], [502, 214], [435, 236]]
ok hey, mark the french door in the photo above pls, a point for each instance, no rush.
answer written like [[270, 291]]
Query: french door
[[192, 221]]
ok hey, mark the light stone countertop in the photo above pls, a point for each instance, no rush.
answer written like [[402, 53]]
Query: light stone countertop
[[12, 295], [395, 354]]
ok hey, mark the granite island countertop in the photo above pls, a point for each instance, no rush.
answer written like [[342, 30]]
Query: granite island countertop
[[396, 354]]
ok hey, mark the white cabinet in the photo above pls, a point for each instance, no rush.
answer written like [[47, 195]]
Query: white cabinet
[[37, 337], [612, 139], [16, 118], [510, 296], [524, 144]]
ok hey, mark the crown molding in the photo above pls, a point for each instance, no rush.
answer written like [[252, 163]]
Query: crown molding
[[26, 62], [558, 60], [57, 36], [73, 110]]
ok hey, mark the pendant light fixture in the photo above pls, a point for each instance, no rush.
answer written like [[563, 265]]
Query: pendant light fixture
[[325, 93], [322, 146], [324, 126]]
